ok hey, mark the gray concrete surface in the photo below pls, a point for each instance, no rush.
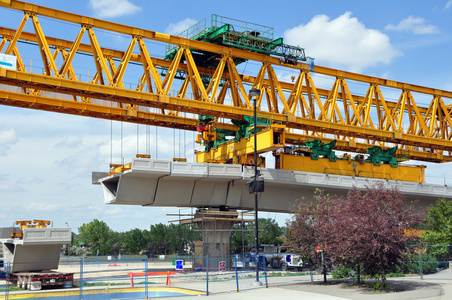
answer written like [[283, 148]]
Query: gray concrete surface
[[152, 182], [222, 285], [435, 286]]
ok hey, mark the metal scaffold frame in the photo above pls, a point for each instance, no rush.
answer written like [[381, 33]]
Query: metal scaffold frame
[[208, 220]]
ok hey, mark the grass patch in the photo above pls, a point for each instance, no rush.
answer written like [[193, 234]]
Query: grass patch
[[12, 289]]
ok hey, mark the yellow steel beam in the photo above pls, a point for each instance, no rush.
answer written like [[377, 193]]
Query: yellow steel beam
[[206, 108], [256, 81], [73, 50], [121, 114], [99, 59], [117, 77], [165, 38], [17, 34], [422, 130], [149, 68], [47, 57], [350, 168], [100, 111], [265, 142]]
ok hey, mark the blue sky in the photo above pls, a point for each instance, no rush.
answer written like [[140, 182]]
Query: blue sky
[[46, 159]]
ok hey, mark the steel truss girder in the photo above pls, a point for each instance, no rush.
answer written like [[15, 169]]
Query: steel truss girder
[[371, 119], [138, 98]]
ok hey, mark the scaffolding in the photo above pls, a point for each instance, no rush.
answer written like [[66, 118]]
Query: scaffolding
[[216, 227]]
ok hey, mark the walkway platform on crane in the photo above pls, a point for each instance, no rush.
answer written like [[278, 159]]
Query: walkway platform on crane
[[238, 34]]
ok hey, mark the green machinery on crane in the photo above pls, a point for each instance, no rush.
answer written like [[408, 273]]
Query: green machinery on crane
[[237, 34]]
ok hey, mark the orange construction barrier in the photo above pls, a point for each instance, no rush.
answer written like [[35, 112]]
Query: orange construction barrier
[[168, 276]]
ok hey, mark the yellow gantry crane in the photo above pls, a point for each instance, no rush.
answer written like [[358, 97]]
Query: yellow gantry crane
[[301, 123]]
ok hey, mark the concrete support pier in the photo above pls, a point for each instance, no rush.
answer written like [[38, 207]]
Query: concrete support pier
[[216, 225]]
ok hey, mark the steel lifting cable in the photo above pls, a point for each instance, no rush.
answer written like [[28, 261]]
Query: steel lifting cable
[[111, 141], [138, 141], [194, 145], [148, 140]]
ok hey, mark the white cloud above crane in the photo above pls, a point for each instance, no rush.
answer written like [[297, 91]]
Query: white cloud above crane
[[113, 8], [178, 27], [343, 42]]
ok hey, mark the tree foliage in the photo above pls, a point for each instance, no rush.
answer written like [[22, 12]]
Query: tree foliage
[[439, 219], [98, 236], [166, 239], [270, 233], [160, 239], [368, 227], [135, 240]]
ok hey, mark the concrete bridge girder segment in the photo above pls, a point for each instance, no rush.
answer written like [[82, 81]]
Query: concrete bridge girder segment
[[154, 182]]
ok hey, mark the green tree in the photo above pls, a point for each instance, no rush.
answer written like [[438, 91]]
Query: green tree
[[171, 239], [270, 233], [135, 240], [98, 236], [439, 219], [158, 237]]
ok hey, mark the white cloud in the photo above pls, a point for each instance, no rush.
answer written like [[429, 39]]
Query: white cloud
[[10, 188], [70, 141], [41, 207], [343, 42], [30, 180], [7, 139], [176, 28], [113, 8], [414, 25], [448, 4]]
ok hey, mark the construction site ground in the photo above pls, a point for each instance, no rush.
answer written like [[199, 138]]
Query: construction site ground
[[435, 286]]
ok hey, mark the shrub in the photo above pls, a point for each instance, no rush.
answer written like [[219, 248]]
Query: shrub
[[429, 264], [343, 272], [379, 286]]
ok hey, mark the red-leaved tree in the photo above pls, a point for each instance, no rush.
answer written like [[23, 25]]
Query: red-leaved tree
[[306, 231], [369, 227]]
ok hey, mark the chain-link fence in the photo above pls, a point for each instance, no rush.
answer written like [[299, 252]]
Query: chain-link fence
[[144, 277], [427, 260]]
